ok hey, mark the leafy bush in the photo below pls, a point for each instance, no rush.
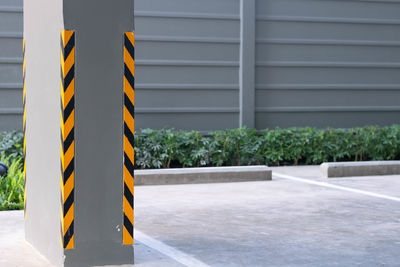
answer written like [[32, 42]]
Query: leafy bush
[[11, 144], [12, 184], [168, 148]]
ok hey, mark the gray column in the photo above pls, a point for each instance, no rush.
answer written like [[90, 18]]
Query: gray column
[[247, 63], [99, 27]]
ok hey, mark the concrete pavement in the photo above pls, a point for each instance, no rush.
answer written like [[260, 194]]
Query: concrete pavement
[[283, 222]]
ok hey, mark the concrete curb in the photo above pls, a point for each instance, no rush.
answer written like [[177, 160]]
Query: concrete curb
[[202, 175], [366, 168]]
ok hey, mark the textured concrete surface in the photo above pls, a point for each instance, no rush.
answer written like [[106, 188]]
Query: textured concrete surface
[[366, 168], [276, 223], [265, 223], [202, 175], [16, 252]]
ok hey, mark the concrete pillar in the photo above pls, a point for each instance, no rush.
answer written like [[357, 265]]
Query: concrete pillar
[[86, 217]]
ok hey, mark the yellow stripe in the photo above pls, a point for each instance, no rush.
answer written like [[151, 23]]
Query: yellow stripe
[[69, 217], [129, 62], [69, 155], [24, 121], [71, 243], [129, 91], [69, 124], [129, 180], [69, 185], [128, 209], [66, 35], [129, 150], [69, 62], [128, 240], [69, 93], [131, 37], [130, 121]]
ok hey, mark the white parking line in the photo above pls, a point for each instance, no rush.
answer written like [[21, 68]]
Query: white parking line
[[171, 252], [324, 184]]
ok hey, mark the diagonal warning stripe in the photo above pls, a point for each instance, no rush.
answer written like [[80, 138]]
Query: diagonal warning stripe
[[67, 137], [24, 119], [129, 130]]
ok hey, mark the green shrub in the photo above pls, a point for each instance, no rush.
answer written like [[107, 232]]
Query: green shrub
[[12, 184], [168, 148], [11, 144]]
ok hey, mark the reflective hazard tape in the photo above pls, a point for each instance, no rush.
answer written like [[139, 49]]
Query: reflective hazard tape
[[129, 130], [67, 137]]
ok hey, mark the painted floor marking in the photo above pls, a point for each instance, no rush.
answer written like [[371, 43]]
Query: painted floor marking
[[324, 184], [171, 252]]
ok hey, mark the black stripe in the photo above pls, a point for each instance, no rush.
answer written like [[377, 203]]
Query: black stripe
[[129, 105], [68, 47], [128, 195], [68, 109], [128, 164], [68, 141], [68, 234], [68, 171], [129, 46], [68, 78], [128, 225], [68, 202], [129, 135], [129, 76]]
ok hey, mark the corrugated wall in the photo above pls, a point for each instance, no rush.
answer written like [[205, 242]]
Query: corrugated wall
[[187, 64], [10, 64], [318, 63], [327, 63]]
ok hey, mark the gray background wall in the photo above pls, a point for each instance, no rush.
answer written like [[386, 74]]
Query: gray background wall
[[318, 63]]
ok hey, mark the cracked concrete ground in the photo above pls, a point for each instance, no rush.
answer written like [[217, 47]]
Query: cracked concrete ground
[[282, 222]]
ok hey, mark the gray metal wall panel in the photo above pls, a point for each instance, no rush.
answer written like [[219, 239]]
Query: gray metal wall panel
[[10, 94], [187, 63], [321, 54], [327, 63], [10, 64], [273, 119]]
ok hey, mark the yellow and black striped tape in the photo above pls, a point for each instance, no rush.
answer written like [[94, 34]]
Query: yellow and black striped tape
[[129, 130], [24, 119], [67, 137]]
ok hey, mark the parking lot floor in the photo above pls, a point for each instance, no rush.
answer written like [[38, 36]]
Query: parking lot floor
[[297, 219]]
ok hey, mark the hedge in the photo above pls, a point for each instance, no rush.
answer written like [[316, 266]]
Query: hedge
[[167, 148]]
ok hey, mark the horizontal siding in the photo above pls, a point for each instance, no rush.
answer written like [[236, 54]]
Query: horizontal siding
[[10, 98], [327, 63], [318, 63], [179, 120], [187, 59], [11, 64], [227, 7], [362, 9], [344, 119]]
